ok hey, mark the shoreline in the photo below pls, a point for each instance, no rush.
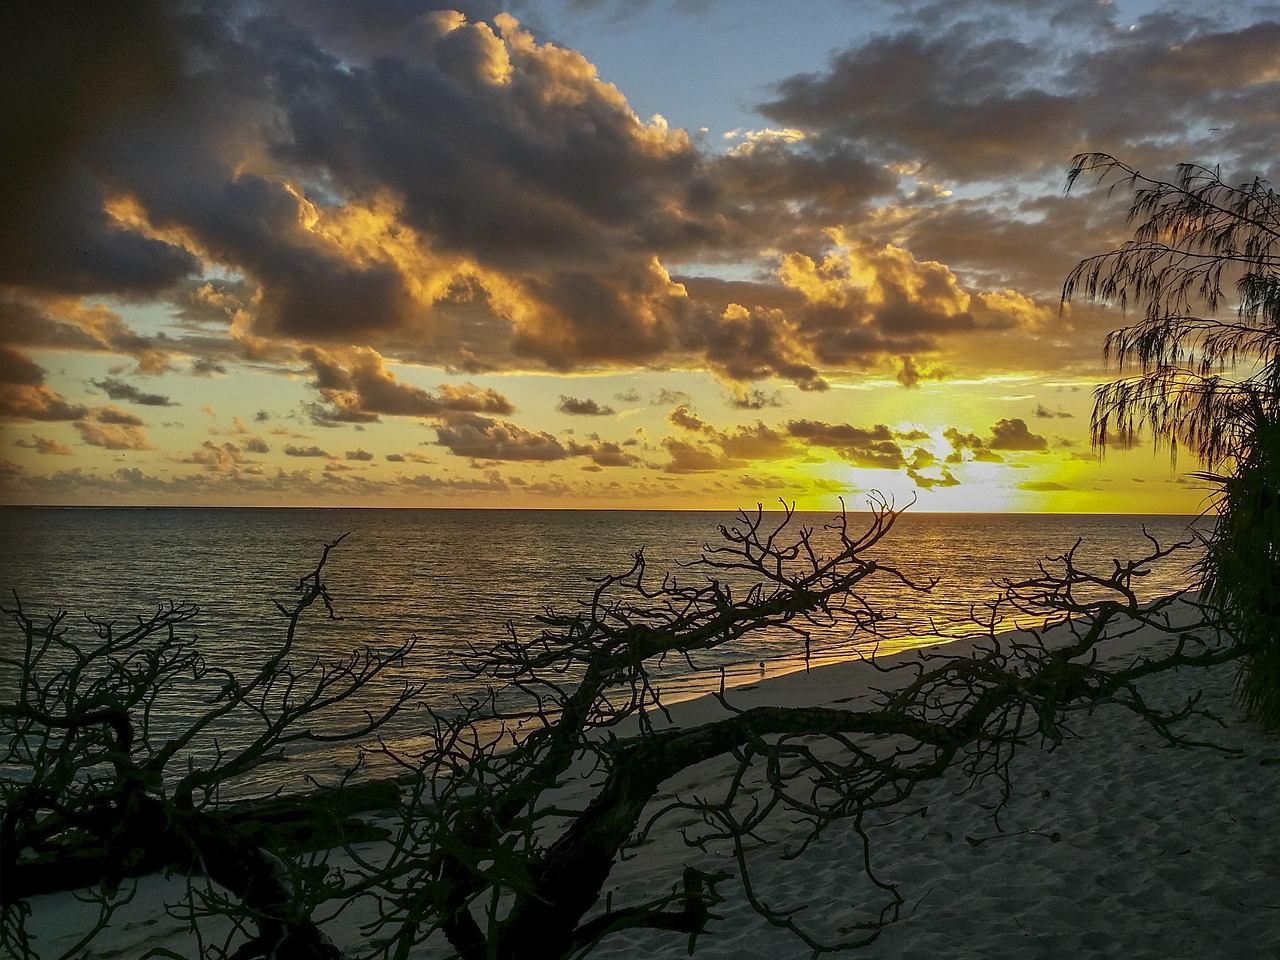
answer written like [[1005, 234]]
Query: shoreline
[[1112, 844]]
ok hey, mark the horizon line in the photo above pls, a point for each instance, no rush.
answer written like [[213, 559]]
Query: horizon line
[[558, 509]]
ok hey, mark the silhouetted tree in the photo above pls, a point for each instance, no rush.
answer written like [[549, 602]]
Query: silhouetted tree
[[1204, 381], [98, 784], [522, 801], [508, 865]]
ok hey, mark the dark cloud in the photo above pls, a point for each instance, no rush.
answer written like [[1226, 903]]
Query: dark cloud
[[363, 455], [583, 408], [687, 457], [1007, 435], [666, 397], [971, 101], [70, 72], [686, 419], [910, 372], [482, 438], [207, 367], [110, 414], [822, 181], [120, 390], [1044, 413], [959, 100], [344, 187], [1015, 435], [411, 456], [532, 209], [877, 446], [755, 399], [737, 446], [219, 458], [926, 472], [113, 430], [24, 395], [58, 324], [18, 369], [850, 305], [357, 388], [746, 344], [43, 445], [977, 447], [292, 450], [604, 453]]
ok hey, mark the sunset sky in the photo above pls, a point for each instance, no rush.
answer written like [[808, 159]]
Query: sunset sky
[[589, 253]]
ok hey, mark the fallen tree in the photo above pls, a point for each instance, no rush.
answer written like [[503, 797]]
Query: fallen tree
[[492, 851], [94, 787]]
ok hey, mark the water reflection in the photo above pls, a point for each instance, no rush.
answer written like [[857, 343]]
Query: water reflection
[[455, 578]]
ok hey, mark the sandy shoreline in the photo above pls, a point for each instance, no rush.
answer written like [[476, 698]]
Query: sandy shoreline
[[1113, 845]]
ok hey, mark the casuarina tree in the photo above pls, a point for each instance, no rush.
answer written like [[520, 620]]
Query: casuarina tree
[[1200, 369]]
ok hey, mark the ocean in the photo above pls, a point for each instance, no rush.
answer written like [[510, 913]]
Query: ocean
[[458, 577]]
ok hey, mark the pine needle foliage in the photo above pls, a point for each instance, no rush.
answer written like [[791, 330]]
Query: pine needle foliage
[[1201, 370]]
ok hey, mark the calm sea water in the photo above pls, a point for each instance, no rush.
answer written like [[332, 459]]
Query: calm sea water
[[456, 576]]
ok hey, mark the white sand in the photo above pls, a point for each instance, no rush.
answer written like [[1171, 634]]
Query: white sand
[[1160, 852]]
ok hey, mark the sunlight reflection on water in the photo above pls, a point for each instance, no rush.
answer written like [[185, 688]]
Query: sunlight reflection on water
[[453, 577]]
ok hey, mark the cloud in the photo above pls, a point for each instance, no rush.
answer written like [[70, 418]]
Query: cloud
[[910, 372], [583, 408], [252, 442], [358, 388], [923, 460], [850, 305], [604, 453], [746, 343], [717, 449], [877, 446], [1042, 486], [1044, 413], [957, 99], [1007, 435], [982, 103], [686, 419], [120, 390], [755, 399], [292, 450], [977, 448], [487, 203], [43, 445], [69, 324], [861, 299], [1014, 435], [369, 198], [207, 367], [410, 456], [220, 458], [483, 438], [666, 396], [24, 395], [113, 436], [687, 457], [363, 455], [112, 414]]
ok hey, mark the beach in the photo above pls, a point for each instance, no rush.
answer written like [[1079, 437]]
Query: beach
[[1114, 844]]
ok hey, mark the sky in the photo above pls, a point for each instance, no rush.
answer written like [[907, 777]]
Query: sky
[[666, 254]]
